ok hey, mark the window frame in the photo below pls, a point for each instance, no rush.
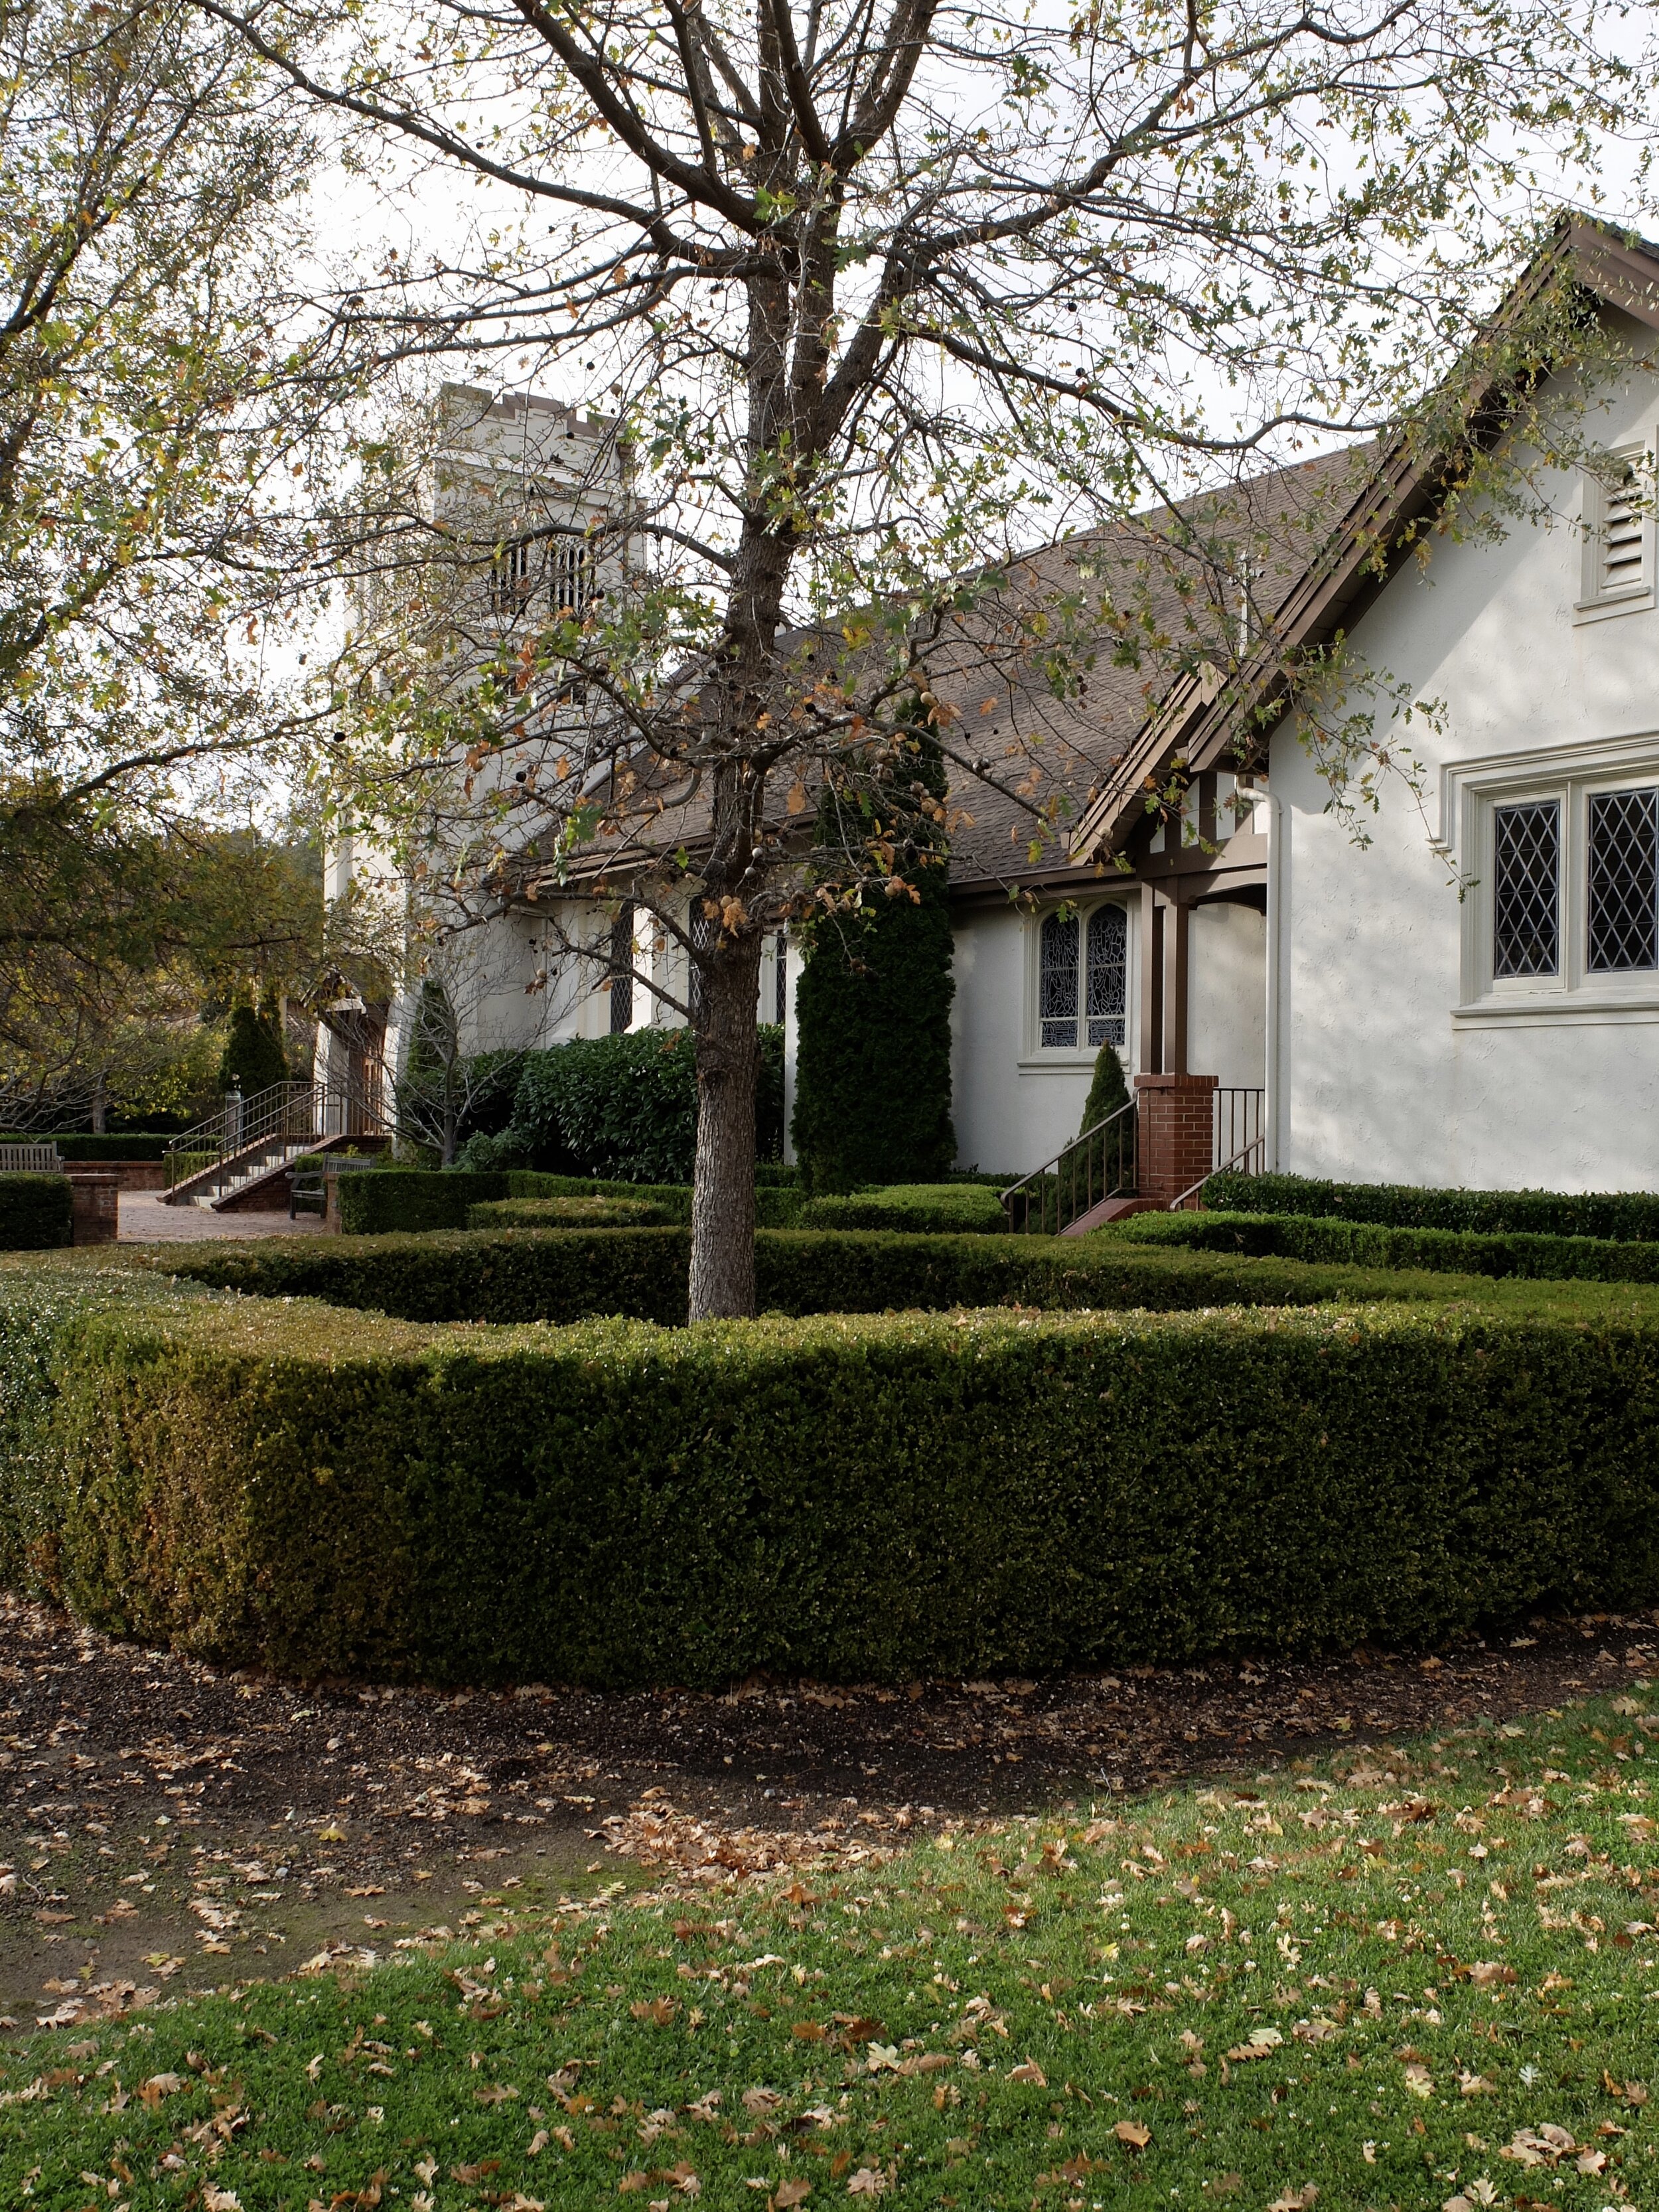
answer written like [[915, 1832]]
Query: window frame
[[1571, 776], [1036, 1056], [1595, 601]]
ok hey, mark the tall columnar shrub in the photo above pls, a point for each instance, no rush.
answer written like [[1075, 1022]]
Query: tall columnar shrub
[[253, 1057], [873, 1051], [1109, 1091]]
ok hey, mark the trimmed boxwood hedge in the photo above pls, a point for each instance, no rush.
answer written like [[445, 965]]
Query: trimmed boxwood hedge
[[1626, 1215], [35, 1213], [1367, 1244], [565, 1275], [566, 1213], [419, 1198], [920, 1207], [881, 1498]]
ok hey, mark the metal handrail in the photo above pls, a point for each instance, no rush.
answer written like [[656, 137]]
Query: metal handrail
[[286, 1116], [1098, 1165], [1257, 1144]]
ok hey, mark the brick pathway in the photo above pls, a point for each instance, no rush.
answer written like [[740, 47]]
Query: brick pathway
[[145, 1220]]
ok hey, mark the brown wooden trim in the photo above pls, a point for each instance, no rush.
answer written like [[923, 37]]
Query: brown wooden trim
[[1197, 719], [1177, 928]]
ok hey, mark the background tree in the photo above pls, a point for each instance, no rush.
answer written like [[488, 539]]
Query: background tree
[[881, 302], [117, 942], [166, 397], [872, 1009]]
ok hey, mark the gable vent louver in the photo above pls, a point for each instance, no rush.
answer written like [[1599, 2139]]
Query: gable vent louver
[[1623, 549]]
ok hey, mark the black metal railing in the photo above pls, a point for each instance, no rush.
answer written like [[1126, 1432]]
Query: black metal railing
[[1097, 1165], [268, 1126], [1239, 1139]]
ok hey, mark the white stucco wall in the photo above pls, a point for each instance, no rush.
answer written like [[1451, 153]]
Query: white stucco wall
[[1378, 1076], [1015, 1104]]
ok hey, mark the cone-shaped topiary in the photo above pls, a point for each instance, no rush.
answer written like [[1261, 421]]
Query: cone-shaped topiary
[[873, 1053], [1108, 1090], [253, 1058]]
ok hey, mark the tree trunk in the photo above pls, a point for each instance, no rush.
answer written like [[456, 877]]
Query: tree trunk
[[99, 1106], [723, 1197]]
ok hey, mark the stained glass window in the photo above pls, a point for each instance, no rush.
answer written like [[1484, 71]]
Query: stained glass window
[[1057, 986], [1108, 974]]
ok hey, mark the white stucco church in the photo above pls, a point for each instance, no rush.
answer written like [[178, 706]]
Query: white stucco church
[[1473, 998]]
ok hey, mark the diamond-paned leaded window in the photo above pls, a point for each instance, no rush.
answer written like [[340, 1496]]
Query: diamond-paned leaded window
[[1057, 983], [1526, 888], [1108, 974], [1623, 880]]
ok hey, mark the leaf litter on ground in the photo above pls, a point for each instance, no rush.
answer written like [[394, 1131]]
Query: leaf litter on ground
[[1417, 1975]]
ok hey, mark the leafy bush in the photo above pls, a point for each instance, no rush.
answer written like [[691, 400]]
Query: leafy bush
[[919, 1207], [852, 1498], [1367, 1244], [1629, 1215], [568, 1213], [35, 1213], [621, 1108]]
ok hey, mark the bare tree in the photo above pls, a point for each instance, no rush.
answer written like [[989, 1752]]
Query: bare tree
[[881, 304]]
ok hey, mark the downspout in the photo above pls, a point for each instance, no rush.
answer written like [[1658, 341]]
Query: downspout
[[1278, 1134]]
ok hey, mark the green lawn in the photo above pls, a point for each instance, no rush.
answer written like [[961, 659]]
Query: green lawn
[[1419, 1974]]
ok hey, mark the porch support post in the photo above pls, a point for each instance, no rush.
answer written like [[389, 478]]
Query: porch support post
[[1150, 1055], [1173, 1057]]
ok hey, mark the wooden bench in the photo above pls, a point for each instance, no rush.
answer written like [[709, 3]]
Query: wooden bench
[[30, 1159], [308, 1178]]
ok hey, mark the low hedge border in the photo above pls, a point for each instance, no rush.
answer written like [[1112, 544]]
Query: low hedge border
[[415, 1198], [1630, 1216], [1366, 1244], [920, 1208], [509, 1276], [566, 1213], [36, 1212], [854, 1498]]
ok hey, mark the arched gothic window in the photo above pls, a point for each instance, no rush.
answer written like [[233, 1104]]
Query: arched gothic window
[[1091, 1007], [1108, 974], [1057, 985]]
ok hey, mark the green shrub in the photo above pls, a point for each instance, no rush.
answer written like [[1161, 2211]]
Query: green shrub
[[35, 1213], [778, 1206], [417, 1198], [623, 1108], [253, 1058], [872, 1008], [1629, 1215], [919, 1207], [1367, 1244], [876, 1498], [564, 1275], [566, 1213]]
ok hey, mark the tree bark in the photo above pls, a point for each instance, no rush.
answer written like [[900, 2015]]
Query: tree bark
[[723, 1200]]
